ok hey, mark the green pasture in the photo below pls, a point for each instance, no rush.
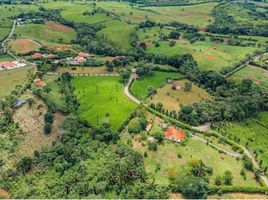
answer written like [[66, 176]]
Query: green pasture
[[155, 79], [10, 79], [165, 161], [118, 33], [209, 55], [252, 133], [102, 100], [7, 11], [195, 15], [6, 57], [46, 33], [74, 12], [257, 75]]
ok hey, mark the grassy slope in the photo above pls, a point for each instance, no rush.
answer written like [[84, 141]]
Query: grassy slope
[[9, 79], [44, 32], [118, 32], [74, 12], [177, 97], [209, 55], [98, 96], [257, 75], [7, 11], [156, 79], [195, 15], [6, 57], [251, 130]]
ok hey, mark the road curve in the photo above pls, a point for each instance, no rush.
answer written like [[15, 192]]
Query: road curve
[[128, 93]]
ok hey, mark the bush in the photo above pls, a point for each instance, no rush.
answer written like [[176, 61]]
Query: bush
[[47, 128], [152, 146]]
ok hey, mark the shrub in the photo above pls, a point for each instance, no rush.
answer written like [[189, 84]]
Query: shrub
[[47, 128]]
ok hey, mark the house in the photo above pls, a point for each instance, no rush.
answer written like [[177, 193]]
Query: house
[[38, 82], [37, 55], [50, 56], [173, 134], [11, 65], [7, 65], [19, 103], [175, 85], [83, 54], [149, 127]]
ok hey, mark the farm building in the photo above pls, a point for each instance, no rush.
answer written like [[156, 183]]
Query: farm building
[[38, 82], [173, 134], [37, 55], [11, 65], [149, 127]]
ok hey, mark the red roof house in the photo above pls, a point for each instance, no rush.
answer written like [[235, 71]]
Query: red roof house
[[39, 82], [37, 55], [7, 64], [149, 127], [83, 54], [50, 55], [173, 134]]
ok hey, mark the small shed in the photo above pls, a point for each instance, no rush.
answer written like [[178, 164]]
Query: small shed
[[19, 103]]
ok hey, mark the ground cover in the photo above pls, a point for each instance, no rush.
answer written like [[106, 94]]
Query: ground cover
[[31, 121], [209, 55], [257, 75], [155, 79], [6, 57], [118, 32], [74, 12], [86, 70], [49, 32], [102, 100], [173, 99], [9, 79], [23, 46], [165, 161], [252, 133], [8, 11], [195, 15]]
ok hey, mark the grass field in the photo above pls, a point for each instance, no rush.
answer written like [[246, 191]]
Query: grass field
[[118, 32], [74, 12], [209, 55], [195, 15], [6, 57], [23, 46], [166, 157], [8, 11], [87, 70], [254, 132], [155, 79], [9, 79], [102, 100], [257, 75], [172, 99], [49, 32]]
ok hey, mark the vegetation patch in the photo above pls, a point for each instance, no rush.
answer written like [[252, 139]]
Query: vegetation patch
[[10, 79], [173, 98], [156, 79], [86, 70], [258, 75], [102, 100], [22, 46]]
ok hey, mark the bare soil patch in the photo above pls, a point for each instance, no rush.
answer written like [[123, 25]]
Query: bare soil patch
[[60, 27], [24, 45]]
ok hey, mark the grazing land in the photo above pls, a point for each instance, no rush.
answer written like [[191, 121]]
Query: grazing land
[[209, 55], [252, 133], [102, 100], [49, 32], [258, 75], [86, 70], [195, 15], [172, 99], [22, 46], [10, 79], [162, 163], [6, 57], [155, 79]]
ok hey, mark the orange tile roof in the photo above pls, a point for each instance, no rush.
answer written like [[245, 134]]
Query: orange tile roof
[[83, 54], [3, 193], [174, 134], [37, 55], [149, 126], [7, 64]]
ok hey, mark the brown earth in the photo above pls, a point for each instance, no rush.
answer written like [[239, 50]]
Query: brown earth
[[60, 27]]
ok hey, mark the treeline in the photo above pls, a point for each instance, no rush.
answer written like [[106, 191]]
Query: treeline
[[225, 23]]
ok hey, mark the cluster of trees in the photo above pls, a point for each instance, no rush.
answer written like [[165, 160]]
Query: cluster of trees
[[84, 164], [225, 23], [48, 119]]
